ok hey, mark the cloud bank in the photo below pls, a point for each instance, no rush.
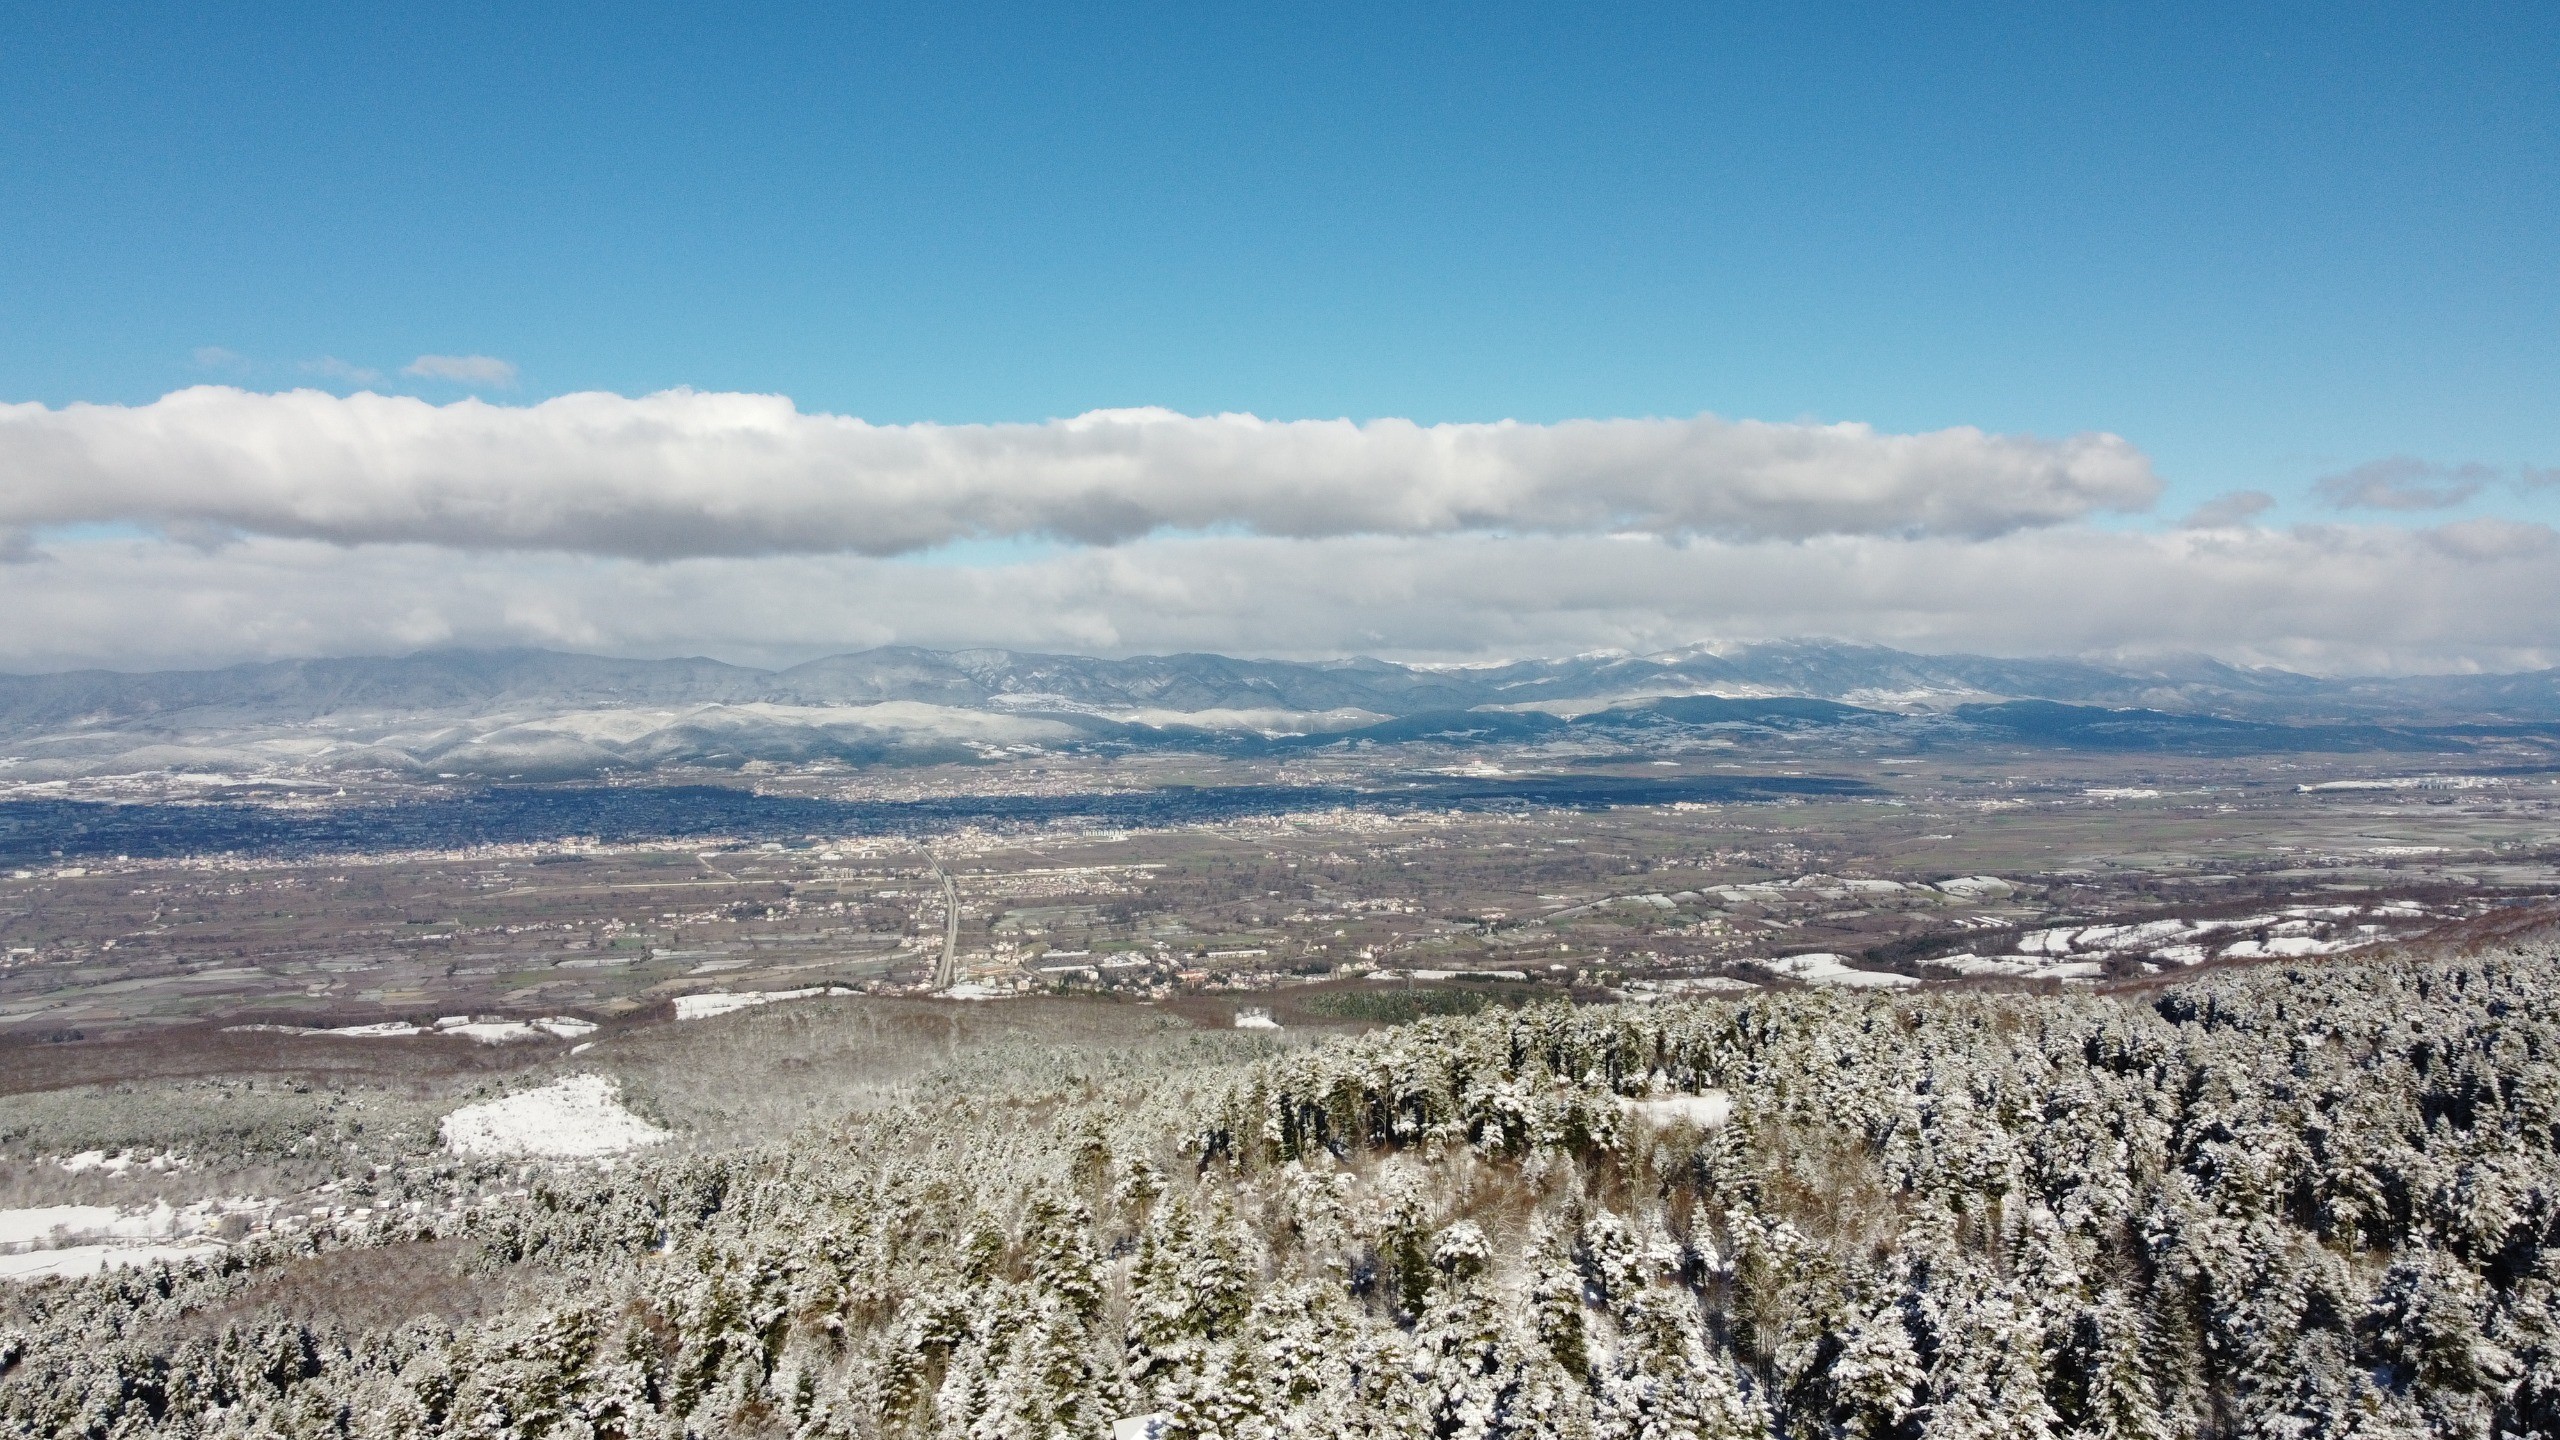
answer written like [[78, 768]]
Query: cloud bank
[[682, 475], [244, 526], [2335, 598]]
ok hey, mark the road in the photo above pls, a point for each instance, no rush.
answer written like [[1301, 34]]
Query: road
[[947, 974]]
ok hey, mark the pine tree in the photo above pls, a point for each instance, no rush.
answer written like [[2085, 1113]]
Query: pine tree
[[1876, 1381]]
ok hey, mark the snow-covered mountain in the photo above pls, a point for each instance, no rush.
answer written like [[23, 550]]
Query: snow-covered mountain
[[537, 713]]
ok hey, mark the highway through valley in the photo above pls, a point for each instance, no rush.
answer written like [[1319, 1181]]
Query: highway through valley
[[947, 974]]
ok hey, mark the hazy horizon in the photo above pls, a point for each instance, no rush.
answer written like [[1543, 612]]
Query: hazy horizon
[[2126, 660]]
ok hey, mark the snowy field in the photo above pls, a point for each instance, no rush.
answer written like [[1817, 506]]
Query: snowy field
[[729, 1002], [74, 1261], [75, 1240], [2078, 952], [1827, 969], [574, 1118], [461, 1027]]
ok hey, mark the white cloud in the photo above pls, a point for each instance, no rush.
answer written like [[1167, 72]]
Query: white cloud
[[345, 372], [2330, 598], [685, 474], [2235, 507], [2402, 482], [463, 369], [307, 523]]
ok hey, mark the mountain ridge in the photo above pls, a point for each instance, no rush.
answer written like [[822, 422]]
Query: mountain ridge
[[447, 680], [535, 714]]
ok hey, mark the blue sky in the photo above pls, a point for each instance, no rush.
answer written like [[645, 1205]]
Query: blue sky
[[2266, 245], [2261, 242]]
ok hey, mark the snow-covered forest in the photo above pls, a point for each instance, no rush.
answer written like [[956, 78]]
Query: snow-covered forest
[[2310, 1200]]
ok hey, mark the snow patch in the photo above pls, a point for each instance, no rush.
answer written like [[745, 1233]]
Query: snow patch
[[487, 1032], [120, 1162], [76, 1261], [1827, 969], [1696, 985], [76, 1240], [571, 1118], [26, 1227], [2286, 947], [726, 1002], [1706, 1110], [2021, 967]]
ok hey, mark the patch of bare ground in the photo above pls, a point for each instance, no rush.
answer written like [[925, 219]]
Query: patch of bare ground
[[30, 1064], [376, 1288]]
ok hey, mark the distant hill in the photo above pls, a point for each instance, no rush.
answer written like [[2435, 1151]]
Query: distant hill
[[535, 714]]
